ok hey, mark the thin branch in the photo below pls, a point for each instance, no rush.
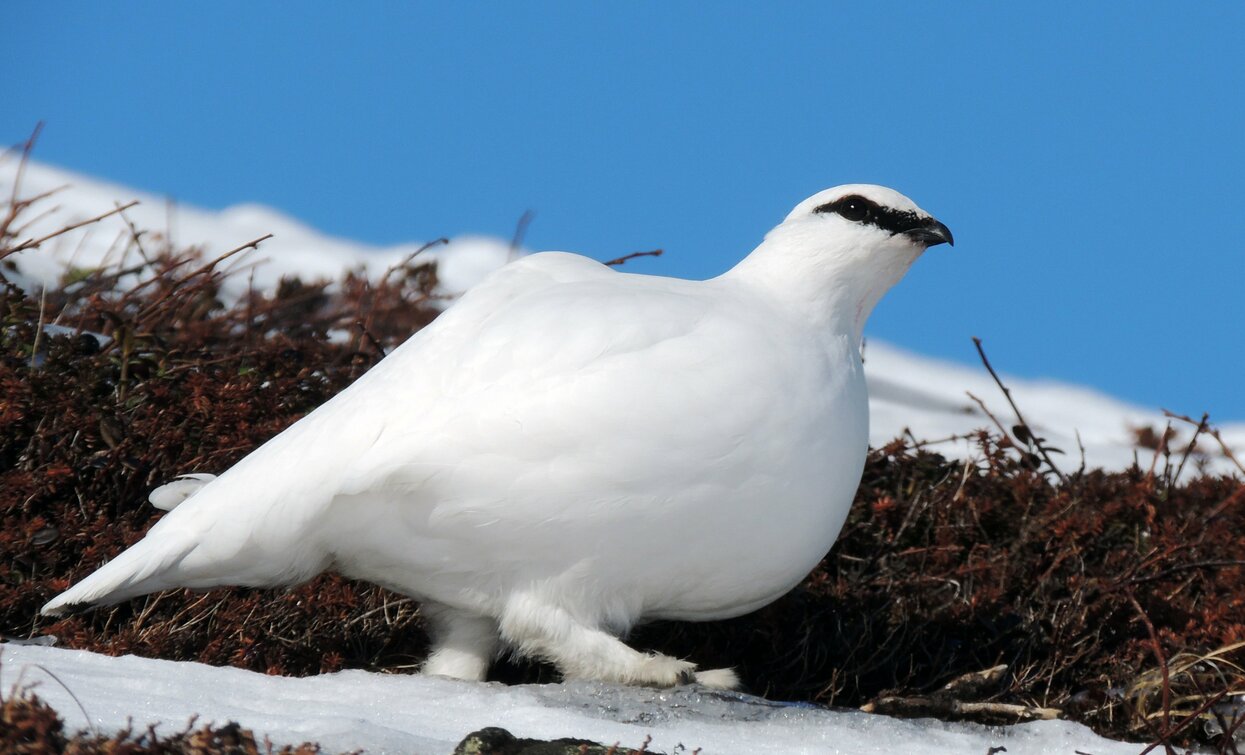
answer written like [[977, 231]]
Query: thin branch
[[1006, 436], [633, 255], [137, 236], [376, 344], [1081, 446], [1162, 659], [28, 201], [1212, 432], [64, 686], [137, 289], [1226, 503], [18, 231], [31, 244], [1019, 417], [915, 444], [934, 706], [383, 607], [1165, 738], [408, 258], [34, 350], [1201, 428], [1159, 449], [520, 231], [1185, 567], [254, 244], [27, 147]]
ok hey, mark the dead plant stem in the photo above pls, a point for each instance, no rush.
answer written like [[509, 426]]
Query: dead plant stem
[[1019, 417]]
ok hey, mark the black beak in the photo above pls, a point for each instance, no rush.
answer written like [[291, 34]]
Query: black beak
[[931, 233]]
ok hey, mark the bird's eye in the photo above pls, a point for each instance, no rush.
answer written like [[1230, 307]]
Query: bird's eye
[[854, 209]]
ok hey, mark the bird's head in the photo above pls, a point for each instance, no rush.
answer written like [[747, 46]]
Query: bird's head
[[841, 249], [869, 217]]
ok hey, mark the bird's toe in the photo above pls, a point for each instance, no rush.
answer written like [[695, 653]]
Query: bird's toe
[[664, 671], [718, 678]]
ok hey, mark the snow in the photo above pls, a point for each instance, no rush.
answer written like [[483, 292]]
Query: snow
[[929, 397], [418, 714], [908, 391], [294, 249]]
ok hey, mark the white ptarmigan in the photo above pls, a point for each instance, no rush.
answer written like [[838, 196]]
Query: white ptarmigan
[[569, 451]]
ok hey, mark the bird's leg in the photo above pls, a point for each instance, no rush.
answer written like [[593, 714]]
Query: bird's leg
[[583, 652], [463, 644]]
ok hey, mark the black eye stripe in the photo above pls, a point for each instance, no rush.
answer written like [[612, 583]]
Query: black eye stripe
[[861, 210]]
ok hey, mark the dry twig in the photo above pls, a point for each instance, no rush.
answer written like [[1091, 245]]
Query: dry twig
[[33, 243], [1212, 432], [633, 255], [1032, 437]]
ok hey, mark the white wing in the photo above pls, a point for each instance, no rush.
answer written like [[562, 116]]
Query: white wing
[[544, 395]]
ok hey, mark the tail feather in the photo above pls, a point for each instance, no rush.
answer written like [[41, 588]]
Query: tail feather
[[146, 567], [171, 494]]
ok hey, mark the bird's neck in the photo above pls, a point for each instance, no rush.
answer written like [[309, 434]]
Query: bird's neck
[[831, 289]]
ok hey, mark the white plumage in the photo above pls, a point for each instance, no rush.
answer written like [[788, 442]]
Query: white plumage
[[570, 450]]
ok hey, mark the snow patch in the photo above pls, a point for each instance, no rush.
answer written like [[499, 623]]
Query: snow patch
[[295, 249], [930, 397], [418, 714]]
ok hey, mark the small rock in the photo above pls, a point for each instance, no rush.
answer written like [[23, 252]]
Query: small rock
[[497, 741]]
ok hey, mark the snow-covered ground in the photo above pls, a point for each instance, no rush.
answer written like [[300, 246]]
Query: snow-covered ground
[[929, 397], [293, 248], [908, 391], [385, 713]]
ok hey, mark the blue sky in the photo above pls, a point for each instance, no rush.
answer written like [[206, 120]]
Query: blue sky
[[1088, 157]]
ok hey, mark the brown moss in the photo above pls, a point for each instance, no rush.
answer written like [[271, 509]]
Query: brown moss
[[28, 726]]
